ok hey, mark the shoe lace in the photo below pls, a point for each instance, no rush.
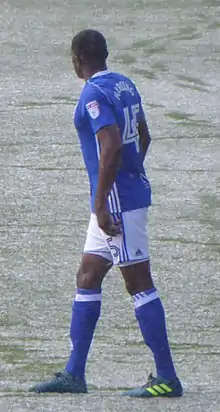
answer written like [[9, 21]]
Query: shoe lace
[[150, 381], [58, 374]]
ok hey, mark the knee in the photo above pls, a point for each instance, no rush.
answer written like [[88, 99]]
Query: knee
[[131, 288], [86, 280], [89, 277], [91, 272], [137, 287], [137, 278]]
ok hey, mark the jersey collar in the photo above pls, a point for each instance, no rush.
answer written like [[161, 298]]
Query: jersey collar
[[101, 73]]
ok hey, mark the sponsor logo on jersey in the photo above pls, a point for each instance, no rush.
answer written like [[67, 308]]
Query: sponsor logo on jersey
[[93, 109]]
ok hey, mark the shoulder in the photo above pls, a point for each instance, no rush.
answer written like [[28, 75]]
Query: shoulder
[[96, 91], [86, 92], [122, 77], [90, 92], [124, 84], [91, 100], [86, 97], [88, 100]]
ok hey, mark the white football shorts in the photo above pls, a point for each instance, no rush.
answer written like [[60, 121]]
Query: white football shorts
[[125, 249]]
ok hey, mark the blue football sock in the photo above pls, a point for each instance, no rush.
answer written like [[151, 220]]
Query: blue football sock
[[85, 314], [150, 315]]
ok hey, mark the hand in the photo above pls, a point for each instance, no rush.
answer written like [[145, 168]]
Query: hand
[[107, 224]]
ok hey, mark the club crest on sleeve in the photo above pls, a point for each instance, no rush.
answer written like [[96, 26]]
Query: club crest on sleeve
[[93, 109]]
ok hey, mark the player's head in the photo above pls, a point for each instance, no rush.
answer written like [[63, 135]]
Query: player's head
[[89, 51]]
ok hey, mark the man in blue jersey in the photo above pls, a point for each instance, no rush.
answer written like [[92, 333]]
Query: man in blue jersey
[[114, 140]]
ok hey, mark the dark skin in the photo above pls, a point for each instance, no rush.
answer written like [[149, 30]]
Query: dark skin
[[94, 268], [110, 141]]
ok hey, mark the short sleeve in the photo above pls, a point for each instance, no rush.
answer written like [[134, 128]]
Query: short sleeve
[[100, 110]]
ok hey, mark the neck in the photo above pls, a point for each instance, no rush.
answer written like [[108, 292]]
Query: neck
[[89, 71]]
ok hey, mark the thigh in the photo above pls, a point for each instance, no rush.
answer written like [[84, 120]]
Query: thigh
[[92, 270], [135, 237], [96, 242], [137, 277], [96, 259], [131, 247], [135, 268]]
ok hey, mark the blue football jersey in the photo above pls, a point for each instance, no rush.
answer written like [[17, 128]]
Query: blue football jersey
[[110, 98]]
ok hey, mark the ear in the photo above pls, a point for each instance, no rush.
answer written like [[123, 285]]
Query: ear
[[81, 58]]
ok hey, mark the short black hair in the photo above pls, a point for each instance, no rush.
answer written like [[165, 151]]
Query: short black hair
[[89, 46]]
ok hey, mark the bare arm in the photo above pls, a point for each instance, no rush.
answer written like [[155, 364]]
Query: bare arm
[[144, 134], [111, 144]]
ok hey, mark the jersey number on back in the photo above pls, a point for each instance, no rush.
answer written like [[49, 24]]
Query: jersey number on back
[[130, 134]]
